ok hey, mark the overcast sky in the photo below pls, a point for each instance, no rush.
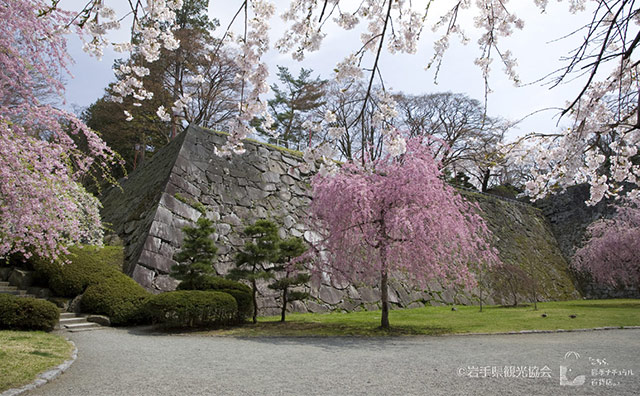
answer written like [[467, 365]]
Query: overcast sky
[[536, 47]]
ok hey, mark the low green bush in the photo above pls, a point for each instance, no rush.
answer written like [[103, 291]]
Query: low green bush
[[505, 190], [86, 266], [19, 313], [239, 291], [192, 308], [118, 297], [44, 270], [244, 301]]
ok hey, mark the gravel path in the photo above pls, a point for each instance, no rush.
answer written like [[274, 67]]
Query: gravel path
[[131, 362]]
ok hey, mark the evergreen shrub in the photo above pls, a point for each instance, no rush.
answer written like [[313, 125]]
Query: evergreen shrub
[[192, 308], [119, 297], [87, 265], [20, 313], [239, 291]]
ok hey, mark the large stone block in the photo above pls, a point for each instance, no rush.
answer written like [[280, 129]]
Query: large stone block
[[448, 296], [270, 177], [289, 160], [184, 187], [99, 319], [163, 215], [350, 305], [154, 260], [153, 244], [143, 276], [369, 295], [179, 208], [284, 195], [330, 295], [232, 219], [163, 231], [298, 306], [22, 279], [4, 273], [223, 229], [294, 172], [288, 180], [393, 296], [165, 283], [314, 307]]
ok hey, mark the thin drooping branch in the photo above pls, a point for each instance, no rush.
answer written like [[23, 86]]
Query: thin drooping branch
[[596, 65]]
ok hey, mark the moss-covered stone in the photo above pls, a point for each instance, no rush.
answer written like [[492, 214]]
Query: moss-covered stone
[[524, 238]]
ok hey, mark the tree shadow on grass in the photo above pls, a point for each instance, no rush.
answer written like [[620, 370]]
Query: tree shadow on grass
[[318, 329], [630, 304]]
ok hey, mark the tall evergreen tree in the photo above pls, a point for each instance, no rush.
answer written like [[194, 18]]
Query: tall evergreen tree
[[288, 250], [294, 103], [196, 255], [253, 261]]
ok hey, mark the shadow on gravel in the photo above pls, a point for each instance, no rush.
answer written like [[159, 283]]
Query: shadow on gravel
[[150, 330], [330, 343], [277, 332]]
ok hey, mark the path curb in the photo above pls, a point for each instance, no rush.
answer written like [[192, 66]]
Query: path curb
[[47, 376], [544, 331]]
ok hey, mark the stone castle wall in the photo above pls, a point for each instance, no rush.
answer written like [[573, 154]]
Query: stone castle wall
[[569, 218], [265, 182]]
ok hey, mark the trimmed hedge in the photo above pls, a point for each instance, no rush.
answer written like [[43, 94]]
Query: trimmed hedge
[[192, 308], [88, 265], [118, 297], [239, 291], [19, 313]]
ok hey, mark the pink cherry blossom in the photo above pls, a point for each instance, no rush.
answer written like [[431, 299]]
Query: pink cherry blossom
[[611, 252], [43, 207], [396, 217]]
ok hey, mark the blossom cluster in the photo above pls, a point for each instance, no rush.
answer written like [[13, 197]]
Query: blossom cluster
[[153, 31], [397, 215], [610, 254], [253, 73], [43, 208], [599, 150]]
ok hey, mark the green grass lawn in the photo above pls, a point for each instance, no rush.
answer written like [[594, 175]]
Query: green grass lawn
[[442, 320], [25, 354]]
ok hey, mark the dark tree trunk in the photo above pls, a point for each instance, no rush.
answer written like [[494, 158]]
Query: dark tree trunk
[[176, 87], [480, 289], [284, 304], [485, 180], [384, 297], [255, 301], [535, 293]]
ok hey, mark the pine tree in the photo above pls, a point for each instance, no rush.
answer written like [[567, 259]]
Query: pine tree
[[294, 103], [196, 255], [288, 250], [253, 261]]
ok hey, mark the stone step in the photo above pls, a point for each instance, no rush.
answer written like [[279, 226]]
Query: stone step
[[28, 296], [81, 326], [66, 315], [73, 320], [84, 329], [4, 283], [7, 287], [15, 292]]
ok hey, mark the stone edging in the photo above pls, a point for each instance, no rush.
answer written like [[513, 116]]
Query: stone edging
[[545, 331], [47, 376]]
